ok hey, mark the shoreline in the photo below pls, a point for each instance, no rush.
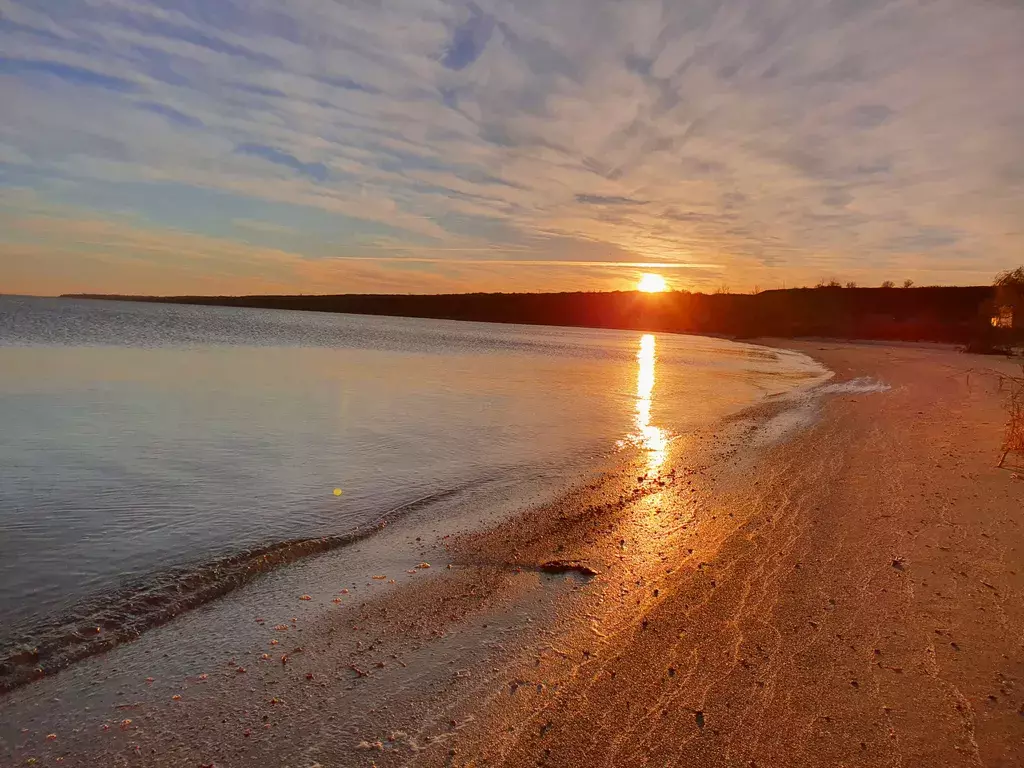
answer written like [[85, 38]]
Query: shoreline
[[706, 636], [102, 621]]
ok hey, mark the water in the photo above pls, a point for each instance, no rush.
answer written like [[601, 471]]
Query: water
[[139, 443]]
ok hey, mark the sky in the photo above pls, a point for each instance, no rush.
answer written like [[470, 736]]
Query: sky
[[424, 146]]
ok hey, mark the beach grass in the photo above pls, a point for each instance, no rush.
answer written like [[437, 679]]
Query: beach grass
[[1013, 443]]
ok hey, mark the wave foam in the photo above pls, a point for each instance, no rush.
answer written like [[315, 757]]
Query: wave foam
[[858, 386]]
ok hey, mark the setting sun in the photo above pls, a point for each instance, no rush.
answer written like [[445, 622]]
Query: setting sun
[[651, 283]]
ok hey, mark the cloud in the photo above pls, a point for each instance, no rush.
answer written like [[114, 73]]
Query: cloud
[[607, 200], [469, 40], [125, 255], [871, 115], [780, 144], [65, 72], [316, 171], [171, 114]]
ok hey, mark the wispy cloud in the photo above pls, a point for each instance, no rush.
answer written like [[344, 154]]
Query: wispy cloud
[[316, 171], [469, 39], [68, 73], [777, 142]]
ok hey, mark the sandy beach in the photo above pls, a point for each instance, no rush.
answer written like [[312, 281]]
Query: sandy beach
[[831, 580]]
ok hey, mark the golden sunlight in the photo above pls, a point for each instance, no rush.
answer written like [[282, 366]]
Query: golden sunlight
[[651, 283], [650, 437]]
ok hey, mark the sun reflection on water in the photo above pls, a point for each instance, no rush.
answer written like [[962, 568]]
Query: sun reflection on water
[[648, 436]]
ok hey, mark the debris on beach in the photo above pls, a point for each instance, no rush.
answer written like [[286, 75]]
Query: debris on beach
[[379, 578], [566, 566], [305, 597], [176, 697], [700, 719], [897, 563]]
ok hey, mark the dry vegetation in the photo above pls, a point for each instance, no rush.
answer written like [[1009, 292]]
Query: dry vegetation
[[1014, 441]]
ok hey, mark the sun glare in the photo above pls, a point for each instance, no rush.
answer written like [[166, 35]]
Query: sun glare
[[651, 283]]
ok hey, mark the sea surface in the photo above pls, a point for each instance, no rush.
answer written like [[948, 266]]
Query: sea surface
[[149, 451]]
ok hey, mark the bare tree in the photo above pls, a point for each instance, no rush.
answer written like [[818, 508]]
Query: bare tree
[[908, 283], [888, 284], [851, 284]]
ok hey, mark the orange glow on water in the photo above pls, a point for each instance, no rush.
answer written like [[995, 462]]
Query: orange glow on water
[[651, 283], [649, 437]]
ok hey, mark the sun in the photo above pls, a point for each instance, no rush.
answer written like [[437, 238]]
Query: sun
[[651, 283]]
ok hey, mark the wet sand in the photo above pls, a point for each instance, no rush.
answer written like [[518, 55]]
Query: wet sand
[[847, 592]]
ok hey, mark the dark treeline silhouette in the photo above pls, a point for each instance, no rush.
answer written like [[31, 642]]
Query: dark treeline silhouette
[[947, 314]]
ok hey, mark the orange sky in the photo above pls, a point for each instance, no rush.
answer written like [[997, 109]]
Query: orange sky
[[162, 148]]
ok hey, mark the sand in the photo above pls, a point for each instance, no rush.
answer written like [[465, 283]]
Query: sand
[[834, 580]]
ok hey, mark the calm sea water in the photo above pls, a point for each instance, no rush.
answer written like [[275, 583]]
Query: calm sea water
[[137, 438]]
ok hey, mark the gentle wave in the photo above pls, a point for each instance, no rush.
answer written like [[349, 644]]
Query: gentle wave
[[863, 385], [104, 622]]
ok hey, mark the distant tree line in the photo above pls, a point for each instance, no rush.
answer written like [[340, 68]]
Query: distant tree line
[[933, 313], [833, 283]]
